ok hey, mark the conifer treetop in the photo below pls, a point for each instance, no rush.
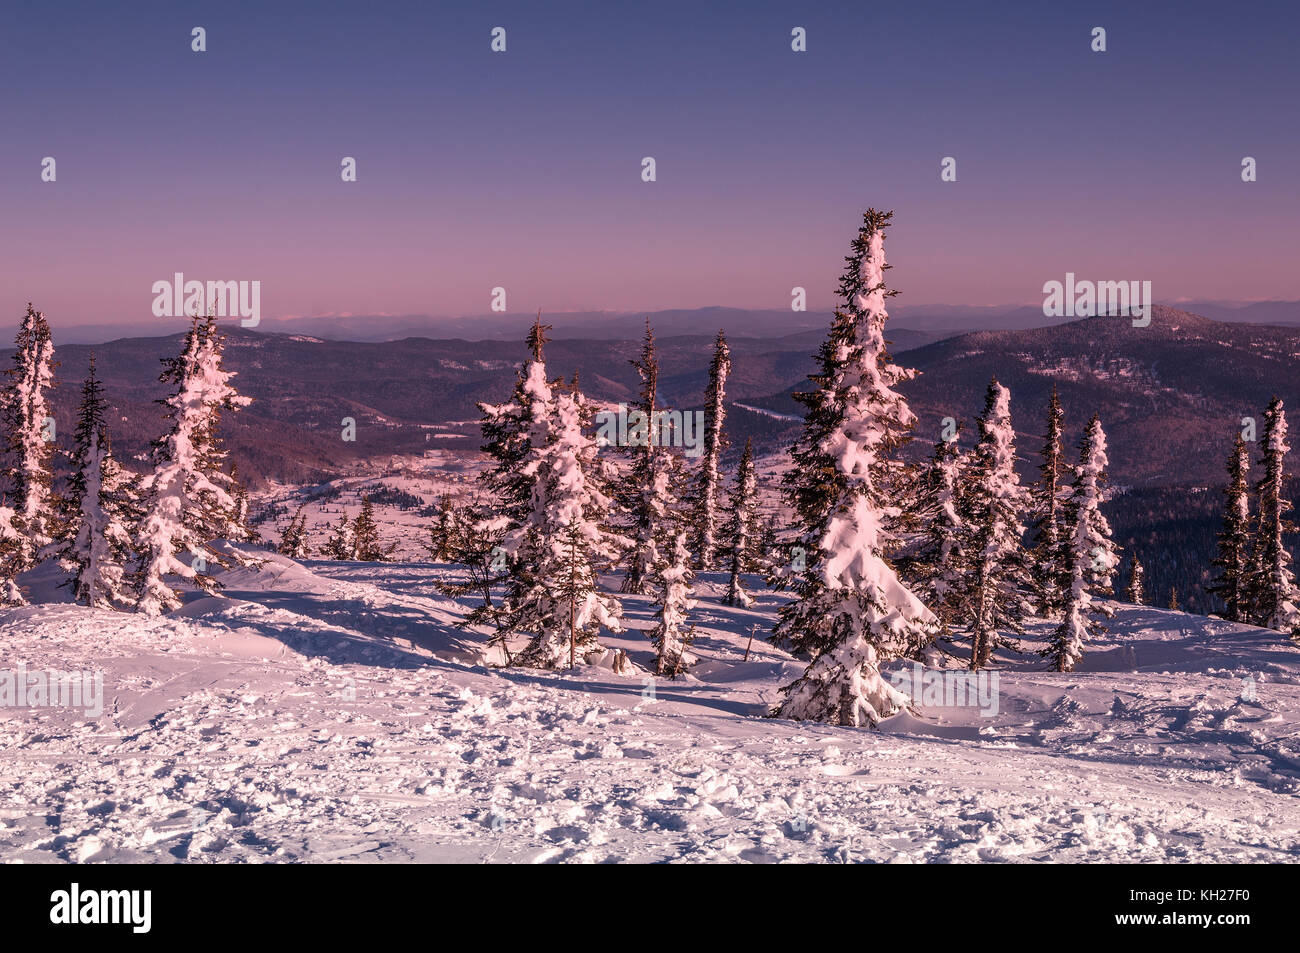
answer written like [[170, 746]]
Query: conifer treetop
[[537, 338]]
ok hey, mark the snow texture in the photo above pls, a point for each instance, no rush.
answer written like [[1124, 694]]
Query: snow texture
[[332, 712]]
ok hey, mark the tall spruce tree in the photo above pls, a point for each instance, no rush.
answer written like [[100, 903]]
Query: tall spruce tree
[[671, 636], [507, 498], [223, 516], [850, 612], [30, 448], [554, 593], [1093, 556], [1234, 558], [648, 493], [740, 533], [99, 510], [655, 524], [1050, 568], [186, 498], [995, 591], [1276, 604], [1136, 592], [715, 442]]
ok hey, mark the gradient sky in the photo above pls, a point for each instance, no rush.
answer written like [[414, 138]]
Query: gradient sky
[[523, 169]]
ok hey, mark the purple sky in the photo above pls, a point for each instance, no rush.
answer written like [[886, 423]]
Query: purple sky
[[522, 169]]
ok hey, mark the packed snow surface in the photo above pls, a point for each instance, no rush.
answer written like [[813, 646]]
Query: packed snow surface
[[333, 712]]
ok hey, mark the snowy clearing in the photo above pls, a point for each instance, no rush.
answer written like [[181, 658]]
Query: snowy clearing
[[332, 712]]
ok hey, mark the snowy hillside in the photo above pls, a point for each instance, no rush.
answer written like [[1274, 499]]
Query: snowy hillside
[[407, 490], [331, 711]]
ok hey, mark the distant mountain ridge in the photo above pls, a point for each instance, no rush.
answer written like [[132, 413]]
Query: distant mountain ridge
[[405, 396], [923, 322], [1171, 395]]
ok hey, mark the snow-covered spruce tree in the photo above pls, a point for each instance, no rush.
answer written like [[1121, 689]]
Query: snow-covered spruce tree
[[367, 547], [340, 545], [293, 540], [1136, 592], [601, 473], [507, 491], [655, 521], [1276, 604], [1234, 559], [672, 636], [850, 612], [186, 497], [934, 564], [995, 592], [26, 410], [223, 517], [10, 541], [505, 429], [1093, 556], [705, 517], [648, 495], [1050, 569], [740, 532], [98, 511], [553, 592]]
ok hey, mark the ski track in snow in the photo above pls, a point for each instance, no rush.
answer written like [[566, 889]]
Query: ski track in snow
[[333, 713]]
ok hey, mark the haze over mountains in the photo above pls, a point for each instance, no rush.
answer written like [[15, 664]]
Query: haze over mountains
[[922, 322], [1171, 395]]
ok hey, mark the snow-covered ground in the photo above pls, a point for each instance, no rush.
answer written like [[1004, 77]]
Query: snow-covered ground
[[331, 711]]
